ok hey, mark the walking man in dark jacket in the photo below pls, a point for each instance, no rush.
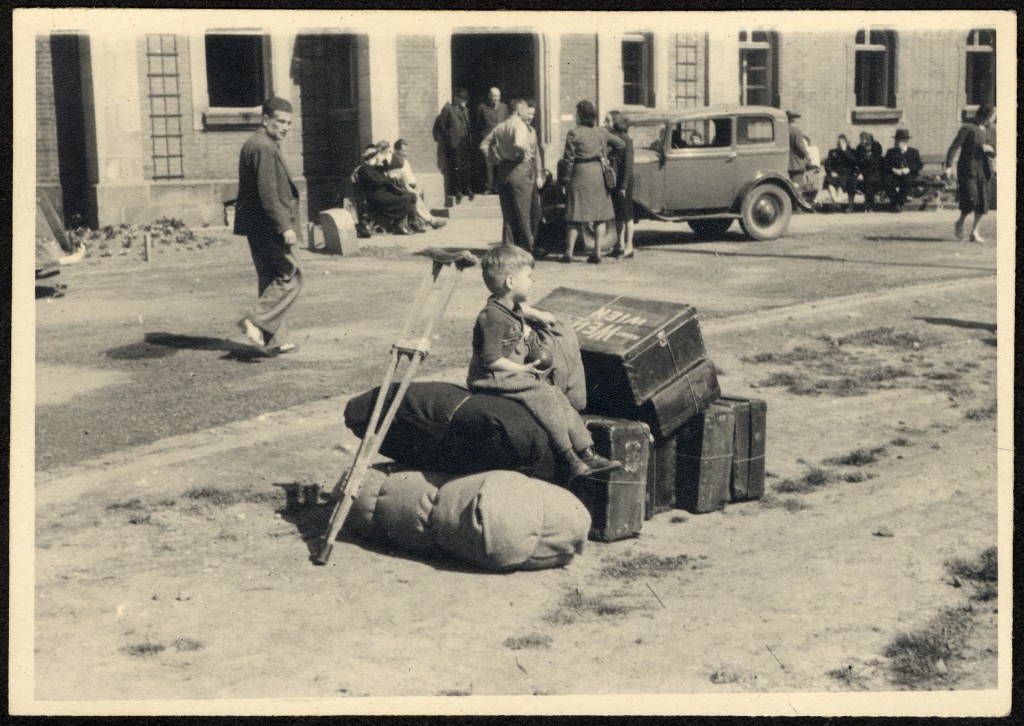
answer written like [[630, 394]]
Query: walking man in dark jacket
[[267, 214], [900, 168]]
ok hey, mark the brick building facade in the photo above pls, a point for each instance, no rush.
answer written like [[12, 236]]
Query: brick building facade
[[130, 128]]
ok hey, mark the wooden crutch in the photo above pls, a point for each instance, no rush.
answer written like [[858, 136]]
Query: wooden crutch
[[427, 309]]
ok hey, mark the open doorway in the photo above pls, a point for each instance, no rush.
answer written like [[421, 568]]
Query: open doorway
[[505, 60], [75, 129]]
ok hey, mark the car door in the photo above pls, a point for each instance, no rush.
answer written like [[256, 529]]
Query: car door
[[648, 164], [700, 164]]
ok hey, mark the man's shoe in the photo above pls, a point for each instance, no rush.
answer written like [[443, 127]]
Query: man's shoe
[[437, 222], [594, 259], [471, 196], [286, 348], [977, 238], [458, 199], [597, 463], [565, 259]]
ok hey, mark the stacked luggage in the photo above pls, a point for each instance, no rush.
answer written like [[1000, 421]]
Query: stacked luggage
[[654, 403]]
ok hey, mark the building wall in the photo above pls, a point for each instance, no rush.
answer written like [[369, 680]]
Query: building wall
[[417, 109], [578, 79], [929, 87], [47, 165]]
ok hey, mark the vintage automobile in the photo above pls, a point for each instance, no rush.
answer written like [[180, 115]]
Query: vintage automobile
[[707, 167]]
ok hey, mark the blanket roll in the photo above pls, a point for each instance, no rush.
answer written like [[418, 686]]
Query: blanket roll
[[504, 520]]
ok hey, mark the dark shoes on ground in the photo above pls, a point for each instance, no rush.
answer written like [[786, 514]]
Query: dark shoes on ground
[[589, 462], [437, 222]]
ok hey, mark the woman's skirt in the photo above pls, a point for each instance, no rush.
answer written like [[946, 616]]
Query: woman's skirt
[[588, 200], [973, 194]]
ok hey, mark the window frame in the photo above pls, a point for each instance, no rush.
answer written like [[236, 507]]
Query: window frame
[[646, 81], [747, 45], [206, 116], [889, 112]]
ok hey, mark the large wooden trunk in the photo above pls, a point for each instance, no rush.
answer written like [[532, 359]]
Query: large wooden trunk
[[615, 499], [661, 478], [748, 446], [704, 460], [631, 347]]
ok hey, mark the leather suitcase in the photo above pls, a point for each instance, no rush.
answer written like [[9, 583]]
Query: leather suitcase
[[704, 460], [615, 499], [673, 405], [631, 347], [661, 478], [748, 446]]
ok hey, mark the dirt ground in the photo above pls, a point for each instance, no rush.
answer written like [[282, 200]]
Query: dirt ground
[[165, 568]]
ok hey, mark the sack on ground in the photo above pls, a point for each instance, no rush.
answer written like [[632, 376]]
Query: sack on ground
[[502, 520], [395, 509]]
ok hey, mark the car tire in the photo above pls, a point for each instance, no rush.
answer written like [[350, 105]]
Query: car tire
[[766, 212], [709, 228]]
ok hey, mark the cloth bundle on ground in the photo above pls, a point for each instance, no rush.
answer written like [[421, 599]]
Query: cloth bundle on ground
[[443, 427], [497, 520]]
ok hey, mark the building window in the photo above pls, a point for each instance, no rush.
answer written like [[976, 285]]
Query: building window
[[980, 75], [638, 69], [237, 70], [875, 68], [759, 68]]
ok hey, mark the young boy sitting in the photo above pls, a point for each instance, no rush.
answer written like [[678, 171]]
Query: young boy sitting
[[500, 348]]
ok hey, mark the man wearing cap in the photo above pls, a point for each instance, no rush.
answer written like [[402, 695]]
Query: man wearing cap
[[454, 139], [798, 153], [512, 147], [267, 212], [900, 168]]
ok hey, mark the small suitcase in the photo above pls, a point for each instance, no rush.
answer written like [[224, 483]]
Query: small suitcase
[[704, 460], [661, 478], [672, 406], [615, 499], [631, 347], [748, 446]]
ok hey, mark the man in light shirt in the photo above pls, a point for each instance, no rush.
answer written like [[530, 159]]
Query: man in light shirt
[[512, 148], [398, 168]]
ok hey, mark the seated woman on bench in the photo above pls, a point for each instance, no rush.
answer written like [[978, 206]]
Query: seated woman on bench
[[386, 199]]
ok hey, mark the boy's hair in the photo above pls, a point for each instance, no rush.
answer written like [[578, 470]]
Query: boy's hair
[[502, 261]]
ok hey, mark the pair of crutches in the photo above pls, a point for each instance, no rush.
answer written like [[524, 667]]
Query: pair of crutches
[[414, 343]]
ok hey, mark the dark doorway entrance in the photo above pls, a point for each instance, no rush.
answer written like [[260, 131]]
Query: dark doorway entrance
[[505, 60], [326, 75], [73, 107]]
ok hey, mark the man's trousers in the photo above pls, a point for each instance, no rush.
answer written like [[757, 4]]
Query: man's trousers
[[279, 284], [520, 202]]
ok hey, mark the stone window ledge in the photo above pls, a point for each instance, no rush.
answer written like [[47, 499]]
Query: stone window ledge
[[228, 119], [876, 115]]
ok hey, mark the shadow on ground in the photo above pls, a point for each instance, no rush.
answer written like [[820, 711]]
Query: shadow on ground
[[162, 345], [955, 323]]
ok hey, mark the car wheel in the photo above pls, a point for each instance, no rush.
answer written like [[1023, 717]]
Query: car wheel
[[709, 228], [766, 212]]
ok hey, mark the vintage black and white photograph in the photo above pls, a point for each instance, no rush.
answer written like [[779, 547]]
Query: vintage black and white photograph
[[477, 362]]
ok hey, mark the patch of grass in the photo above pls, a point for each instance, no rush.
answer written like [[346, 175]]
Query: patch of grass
[[576, 605], [942, 376], [982, 572], [797, 355], [223, 497], [724, 675], [452, 691], [131, 504], [880, 373], [677, 519], [810, 481], [145, 648], [925, 658], [980, 414], [855, 477], [885, 336], [645, 566], [901, 441], [955, 390], [790, 504], [140, 519], [859, 457], [848, 677], [186, 645], [533, 640]]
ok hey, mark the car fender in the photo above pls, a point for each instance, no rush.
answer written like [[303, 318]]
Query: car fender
[[771, 177]]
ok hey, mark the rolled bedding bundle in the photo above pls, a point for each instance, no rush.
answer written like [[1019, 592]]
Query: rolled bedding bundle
[[496, 520]]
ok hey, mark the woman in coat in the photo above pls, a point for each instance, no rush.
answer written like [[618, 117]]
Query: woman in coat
[[622, 197], [869, 167], [841, 170], [384, 195], [588, 199], [973, 171]]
